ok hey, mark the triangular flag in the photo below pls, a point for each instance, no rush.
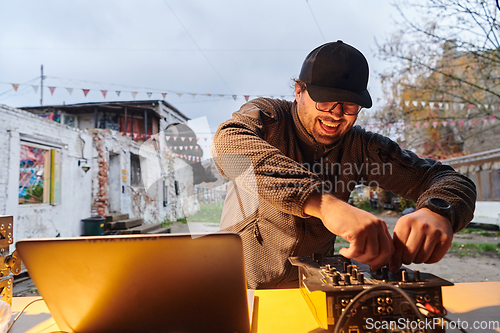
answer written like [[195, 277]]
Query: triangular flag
[[461, 122], [469, 122], [85, 92], [209, 95], [484, 121], [461, 105], [446, 106], [164, 95], [389, 101], [475, 122], [470, 106], [118, 92], [197, 139], [234, 97], [134, 93], [190, 138], [444, 123], [407, 103], [193, 95], [390, 125], [426, 124], [185, 147], [175, 138], [15, 86], [423, 104], [149, 94], [492, 119], [221, 95], [431, 104], [434, 124], [70, 90], [52, 90], [183, 138], [190, 147], [486, 106], [179, 94], [247, 97], [417, 125], [35, 88], [168, 137], [181, 147], [440, 105], [415, 103], [378, 99], [104, 92], [452, 122]]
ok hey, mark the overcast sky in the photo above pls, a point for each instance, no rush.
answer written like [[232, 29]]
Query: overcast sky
[[188, 47]]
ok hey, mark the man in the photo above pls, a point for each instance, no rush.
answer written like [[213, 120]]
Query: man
[[293, 165]]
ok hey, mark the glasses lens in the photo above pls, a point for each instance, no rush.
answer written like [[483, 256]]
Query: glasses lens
[[325, 106], [351, 108]]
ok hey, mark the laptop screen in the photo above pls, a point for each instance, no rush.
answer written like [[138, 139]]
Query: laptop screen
[[142, 283]]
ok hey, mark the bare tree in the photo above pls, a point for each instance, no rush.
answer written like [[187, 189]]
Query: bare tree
[[445, 56]]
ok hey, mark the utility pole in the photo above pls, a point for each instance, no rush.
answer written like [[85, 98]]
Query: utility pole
[[41, 86]]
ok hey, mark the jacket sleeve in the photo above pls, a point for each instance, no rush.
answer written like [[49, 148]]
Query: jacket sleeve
[[259, 170], [420, 179]]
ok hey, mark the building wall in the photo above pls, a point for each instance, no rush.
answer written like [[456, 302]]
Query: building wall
[[153, 197], [44, 219]]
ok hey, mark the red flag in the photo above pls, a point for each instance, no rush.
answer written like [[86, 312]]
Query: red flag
[[246, 97], [85, 92], [164, 95], [470, 106], [104, 92], [15, 86], [52, 90]]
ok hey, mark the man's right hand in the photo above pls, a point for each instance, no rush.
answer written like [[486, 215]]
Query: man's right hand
[[369, 239]]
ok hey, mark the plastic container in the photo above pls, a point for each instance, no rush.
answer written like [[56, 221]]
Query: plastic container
[[93, 226]]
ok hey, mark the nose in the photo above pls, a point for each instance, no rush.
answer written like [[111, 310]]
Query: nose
[[338, 111]]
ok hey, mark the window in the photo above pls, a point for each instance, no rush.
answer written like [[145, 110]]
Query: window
[[135, 170], [39, 174]]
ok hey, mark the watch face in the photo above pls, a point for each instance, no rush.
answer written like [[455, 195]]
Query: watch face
[[440, 203]]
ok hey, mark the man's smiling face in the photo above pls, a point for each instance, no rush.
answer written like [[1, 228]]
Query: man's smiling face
[[325, 127]]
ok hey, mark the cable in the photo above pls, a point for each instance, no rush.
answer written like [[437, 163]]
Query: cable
[[196, 44], [443, 317], [20, 313], [315, 21], [365, 294]]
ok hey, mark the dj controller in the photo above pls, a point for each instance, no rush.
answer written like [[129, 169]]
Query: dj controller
[[346, 296]]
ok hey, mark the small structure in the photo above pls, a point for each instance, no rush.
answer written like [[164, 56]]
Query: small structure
[[484, 170]]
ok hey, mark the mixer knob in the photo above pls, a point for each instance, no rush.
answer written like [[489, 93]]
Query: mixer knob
[[361, 278], [404, 275]]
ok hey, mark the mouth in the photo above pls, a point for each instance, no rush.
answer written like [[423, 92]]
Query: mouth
[[328, 124]]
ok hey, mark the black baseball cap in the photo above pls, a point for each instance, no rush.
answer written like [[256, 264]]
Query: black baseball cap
[[336, 72]]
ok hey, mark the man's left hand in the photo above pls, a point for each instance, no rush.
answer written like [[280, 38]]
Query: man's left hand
[[420, 237]]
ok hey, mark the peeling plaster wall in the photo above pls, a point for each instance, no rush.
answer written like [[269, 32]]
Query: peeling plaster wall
[[44, 220], [145, 200]]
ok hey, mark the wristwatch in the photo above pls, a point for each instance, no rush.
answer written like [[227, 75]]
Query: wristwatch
[[439, 206]]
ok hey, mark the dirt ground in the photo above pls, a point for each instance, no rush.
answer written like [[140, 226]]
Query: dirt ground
[[483, 267]]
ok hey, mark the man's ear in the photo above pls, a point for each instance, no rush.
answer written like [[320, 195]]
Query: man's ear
[[298, 92]]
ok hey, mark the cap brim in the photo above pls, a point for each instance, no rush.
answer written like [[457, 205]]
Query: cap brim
[[327, 94]]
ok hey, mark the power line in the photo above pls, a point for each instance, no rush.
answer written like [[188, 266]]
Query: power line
[[315, 21], [197, 46]]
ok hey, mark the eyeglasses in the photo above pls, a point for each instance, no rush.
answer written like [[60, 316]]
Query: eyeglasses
[[350, 109]]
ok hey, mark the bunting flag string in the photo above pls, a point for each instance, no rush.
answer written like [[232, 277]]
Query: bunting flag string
[[149, 94]]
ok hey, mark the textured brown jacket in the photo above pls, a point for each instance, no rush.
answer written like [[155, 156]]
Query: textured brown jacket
[[274, 165]]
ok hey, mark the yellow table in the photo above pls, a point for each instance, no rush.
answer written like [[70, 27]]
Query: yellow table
[[286, 311]]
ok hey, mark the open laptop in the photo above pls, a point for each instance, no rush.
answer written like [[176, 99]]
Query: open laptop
[[141, 283]]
